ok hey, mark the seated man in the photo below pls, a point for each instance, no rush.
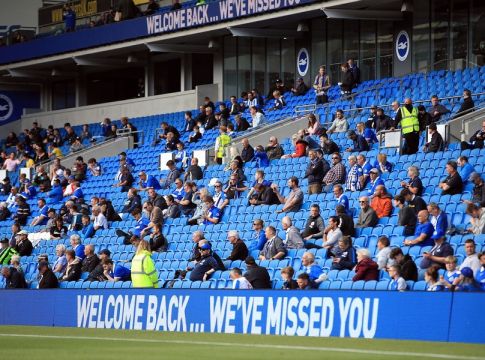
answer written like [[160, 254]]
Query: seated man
[[344, 255], [466, 169], [141, 223], [293, 238], [206, 266], [367, 215], [115, 273], [438, 219], [424, 231], [436, 142], [477, 219], [172, 211], [438, 254], [303, 281], [274, 248], [315, 225], [477, 139], [314, 271], [147, 181], [42, 217], [360, 144], [453, 183], [294, 200], [264, 195], [375, 181], [381, 202]]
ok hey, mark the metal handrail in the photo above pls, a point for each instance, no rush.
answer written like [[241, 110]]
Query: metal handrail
[[129, 132]]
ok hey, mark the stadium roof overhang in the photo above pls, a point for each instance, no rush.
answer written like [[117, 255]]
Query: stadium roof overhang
[[196, 40]]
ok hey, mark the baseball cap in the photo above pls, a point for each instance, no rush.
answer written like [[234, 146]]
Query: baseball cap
[[205, 247], [105, 252], [350, 133], [22, 232], [374, 171], [467, 272], [4, 241]]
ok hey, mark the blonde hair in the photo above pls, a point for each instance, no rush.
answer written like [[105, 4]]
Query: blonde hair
[[451, 259], [143, 245], [382, 158]]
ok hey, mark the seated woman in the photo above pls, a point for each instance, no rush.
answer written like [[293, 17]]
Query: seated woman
[[314, 126]]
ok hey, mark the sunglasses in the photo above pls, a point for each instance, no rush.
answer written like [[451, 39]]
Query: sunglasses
[[335, 158], [362, 202], [218, 186]]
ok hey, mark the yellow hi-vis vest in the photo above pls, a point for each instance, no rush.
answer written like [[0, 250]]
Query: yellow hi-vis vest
[[143, 271], [409, 120], [224, 141]]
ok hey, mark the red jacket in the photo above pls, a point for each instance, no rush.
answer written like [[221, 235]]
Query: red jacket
[[366, 270], [300, 149], [382, 206]]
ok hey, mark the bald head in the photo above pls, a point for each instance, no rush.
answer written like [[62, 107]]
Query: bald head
[[408, 101], [380, 190], [423, 216]]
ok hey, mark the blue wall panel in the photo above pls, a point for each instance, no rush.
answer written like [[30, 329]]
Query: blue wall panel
[[391, 315]]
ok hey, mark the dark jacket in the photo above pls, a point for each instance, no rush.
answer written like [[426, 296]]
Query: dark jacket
[[89, 263], [211, 122], [330, 148], [243, 125], [366, 270], [407, 217], [347, 81], [73, 271], [194, 172], [465, 108], [158, 243], [409, 271], [239, 251], [267, 197], [436, 143], [132, 204], [346, 225], [383, 122], [315, 172], [274, 152], [479, 195], [360, 144], [347, 258], [24, 248], [247, 154], [16, 280], [258, 277], [48, 280], [159, 202]]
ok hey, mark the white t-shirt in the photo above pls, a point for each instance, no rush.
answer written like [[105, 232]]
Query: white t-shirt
[[101, 221], [241, 284]]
